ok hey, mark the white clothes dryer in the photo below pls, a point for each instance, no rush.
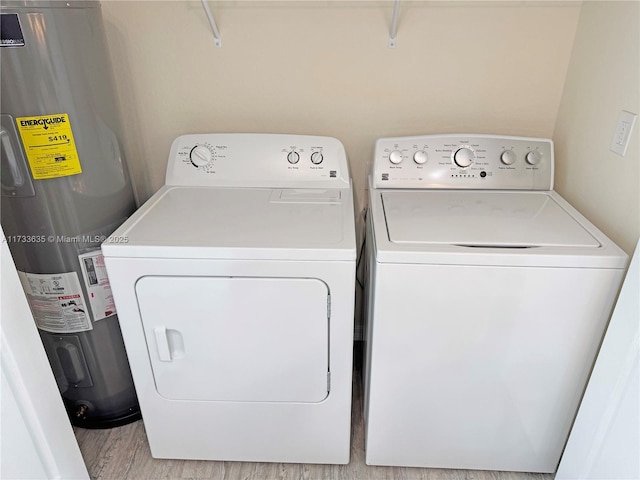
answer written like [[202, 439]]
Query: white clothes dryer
[[234, 285], [487, 298]]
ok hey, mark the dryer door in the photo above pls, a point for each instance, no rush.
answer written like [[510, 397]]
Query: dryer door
[[237, 338]]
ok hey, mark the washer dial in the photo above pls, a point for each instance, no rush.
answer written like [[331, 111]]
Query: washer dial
[[533, 157], [200, 156], [464, 157], [395, 157], [508, 157], [420, 157]]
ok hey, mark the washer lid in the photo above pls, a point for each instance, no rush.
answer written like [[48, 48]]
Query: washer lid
[[239, 223], [481, 219]]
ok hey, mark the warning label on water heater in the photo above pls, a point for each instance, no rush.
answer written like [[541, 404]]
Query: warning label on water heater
[[97, 284], [56, 301], [49, 145]]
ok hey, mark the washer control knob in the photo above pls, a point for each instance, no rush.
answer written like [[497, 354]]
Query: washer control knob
[[508, 157], [533, 157], [200, 155], [293, 157], [395, 157], [316, 158], [464, 157], [420, 157]]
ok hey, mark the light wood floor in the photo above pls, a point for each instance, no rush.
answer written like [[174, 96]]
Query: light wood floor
[[123, 453]]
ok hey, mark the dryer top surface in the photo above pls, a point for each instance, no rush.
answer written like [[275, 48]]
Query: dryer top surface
[[243, 223]]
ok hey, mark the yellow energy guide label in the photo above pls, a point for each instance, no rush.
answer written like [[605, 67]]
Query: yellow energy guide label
[[49, 145]]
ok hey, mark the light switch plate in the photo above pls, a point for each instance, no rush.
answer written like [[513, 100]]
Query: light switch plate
[[621, 136]]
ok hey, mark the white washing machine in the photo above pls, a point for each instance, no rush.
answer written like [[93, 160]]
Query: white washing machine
[[234, 285], [488, 296]]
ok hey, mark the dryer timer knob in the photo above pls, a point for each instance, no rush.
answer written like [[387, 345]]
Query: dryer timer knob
[[200, 155]]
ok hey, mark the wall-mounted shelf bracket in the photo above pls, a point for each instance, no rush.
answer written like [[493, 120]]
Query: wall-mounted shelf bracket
[[394, 24], [217, 39]]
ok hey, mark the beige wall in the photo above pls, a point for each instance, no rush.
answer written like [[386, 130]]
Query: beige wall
[[601, 81], [324, 68]]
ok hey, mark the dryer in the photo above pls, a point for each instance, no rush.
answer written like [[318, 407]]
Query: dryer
[[235, 286], [487, 298]]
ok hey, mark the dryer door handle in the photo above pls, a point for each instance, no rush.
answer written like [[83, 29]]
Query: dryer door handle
[[169, 343], [162, 344]]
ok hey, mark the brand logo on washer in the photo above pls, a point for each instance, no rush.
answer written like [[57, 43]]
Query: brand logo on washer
[[385, 176]]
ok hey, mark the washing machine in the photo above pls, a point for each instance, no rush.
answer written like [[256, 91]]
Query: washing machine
[[235, 289], [487, 298]]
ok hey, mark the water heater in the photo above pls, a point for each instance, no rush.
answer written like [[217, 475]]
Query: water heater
[[65, 188]]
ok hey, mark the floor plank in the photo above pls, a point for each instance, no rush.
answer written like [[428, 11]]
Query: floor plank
[[122, 453]]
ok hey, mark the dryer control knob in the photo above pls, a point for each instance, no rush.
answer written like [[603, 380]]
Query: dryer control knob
[[464, 157], [200, 155], [508, 157], [533, 157], [420, 157], [316, 158], [395, 157], [293, 157]]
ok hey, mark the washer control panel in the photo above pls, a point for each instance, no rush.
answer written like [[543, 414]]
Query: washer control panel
[[464, 161], [266, 160]]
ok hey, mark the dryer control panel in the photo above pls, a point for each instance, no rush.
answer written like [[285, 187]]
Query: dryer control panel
[[257, 160], [464, 161]]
